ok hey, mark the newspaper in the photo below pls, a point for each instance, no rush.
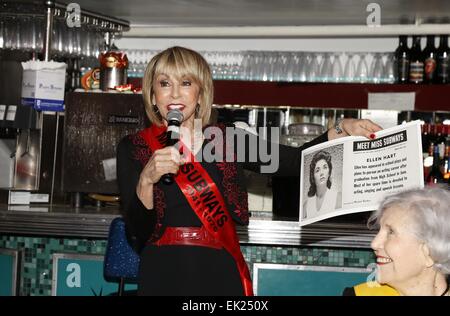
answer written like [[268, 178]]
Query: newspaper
[[353, 174]]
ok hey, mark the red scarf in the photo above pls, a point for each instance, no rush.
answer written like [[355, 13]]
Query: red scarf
[[207, 202]]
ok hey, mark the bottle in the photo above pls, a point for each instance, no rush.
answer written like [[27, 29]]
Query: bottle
[[432, 135], [443, 60], [69, 69], [426, 145], [448, 184], [428, 152], [416, 62], [445, 163], [435, 175], [76, 74], [426, 138], [441, 137], [402, 58], [429, 57]]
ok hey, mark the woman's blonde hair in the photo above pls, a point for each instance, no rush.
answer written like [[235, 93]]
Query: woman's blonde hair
[[179, 62]]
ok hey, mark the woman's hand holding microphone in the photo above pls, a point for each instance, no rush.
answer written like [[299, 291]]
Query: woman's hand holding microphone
[[163, 161]]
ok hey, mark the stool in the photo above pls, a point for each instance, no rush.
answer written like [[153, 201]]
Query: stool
[[121, 263]]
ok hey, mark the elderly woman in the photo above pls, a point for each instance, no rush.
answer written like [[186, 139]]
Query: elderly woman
[[412, 246], [322, 197], [190, 244]]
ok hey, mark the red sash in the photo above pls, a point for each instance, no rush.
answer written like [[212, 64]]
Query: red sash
[[207, 202]]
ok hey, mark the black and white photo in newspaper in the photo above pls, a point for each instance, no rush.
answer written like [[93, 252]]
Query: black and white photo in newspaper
[[353, 174]]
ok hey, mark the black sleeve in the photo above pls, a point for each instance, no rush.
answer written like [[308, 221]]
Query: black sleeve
[[289, 157], [139, 220], [349, 291]]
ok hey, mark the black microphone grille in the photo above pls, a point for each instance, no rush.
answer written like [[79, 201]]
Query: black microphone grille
[[175, 115]]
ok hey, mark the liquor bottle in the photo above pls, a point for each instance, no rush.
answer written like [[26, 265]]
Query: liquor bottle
[[443, 60], [76, 75], [429, 57], [445, 163], [426, 144], [402, 56], [68, 75], [416, 62], [448, 184], [428, 159], [426, 138], [432, 136], [435, 176], [441, 138]]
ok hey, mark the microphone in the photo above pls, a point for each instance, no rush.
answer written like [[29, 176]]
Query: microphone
[[174, 119]]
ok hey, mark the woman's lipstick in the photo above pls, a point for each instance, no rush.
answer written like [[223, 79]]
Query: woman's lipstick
[[176, 107]]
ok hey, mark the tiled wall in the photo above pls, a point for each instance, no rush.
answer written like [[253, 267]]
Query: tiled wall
[[36, 272]]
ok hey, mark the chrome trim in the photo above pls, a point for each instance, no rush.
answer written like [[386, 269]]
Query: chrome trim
[[90, 222]]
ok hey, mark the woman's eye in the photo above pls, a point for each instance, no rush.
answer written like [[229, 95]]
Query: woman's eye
[[164, 83], [186, 83]]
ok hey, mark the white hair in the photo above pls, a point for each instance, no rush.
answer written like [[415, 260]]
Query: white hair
[[430, 210]]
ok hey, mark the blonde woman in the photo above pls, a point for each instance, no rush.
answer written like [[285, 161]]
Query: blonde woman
[[189, 242]]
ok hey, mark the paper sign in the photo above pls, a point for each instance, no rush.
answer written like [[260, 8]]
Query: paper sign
[[353, 174], [27, 208], [17, 197], [400, 101], [43, 85], [109, 168], [39, 198], [11, 113], [383, 118]]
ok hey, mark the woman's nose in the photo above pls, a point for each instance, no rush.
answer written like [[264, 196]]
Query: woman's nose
[[175, 91], [376, 242]]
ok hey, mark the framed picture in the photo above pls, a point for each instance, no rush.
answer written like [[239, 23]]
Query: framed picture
[[304, 280], [10, 260]]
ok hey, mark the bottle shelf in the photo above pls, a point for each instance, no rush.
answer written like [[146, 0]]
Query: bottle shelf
[[326, 95], [428, 98]]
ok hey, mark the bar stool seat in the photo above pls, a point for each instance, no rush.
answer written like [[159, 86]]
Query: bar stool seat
[[121, 262]]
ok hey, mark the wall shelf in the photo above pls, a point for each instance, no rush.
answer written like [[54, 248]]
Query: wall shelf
[[325, 95], [322, 95]]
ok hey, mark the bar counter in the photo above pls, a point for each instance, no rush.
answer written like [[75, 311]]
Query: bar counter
[[93, 222], [42, 234]]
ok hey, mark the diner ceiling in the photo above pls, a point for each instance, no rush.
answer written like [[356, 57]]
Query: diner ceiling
[[222, 13]]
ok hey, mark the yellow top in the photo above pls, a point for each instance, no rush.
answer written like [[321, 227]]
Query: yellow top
[[374, 289]]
